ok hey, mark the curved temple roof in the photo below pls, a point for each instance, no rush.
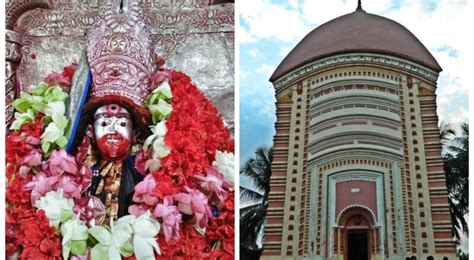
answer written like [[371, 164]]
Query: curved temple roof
[[357, 32]]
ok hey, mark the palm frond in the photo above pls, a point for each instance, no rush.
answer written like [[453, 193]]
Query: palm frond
[[253, 217], [456, 167], [250, 195]]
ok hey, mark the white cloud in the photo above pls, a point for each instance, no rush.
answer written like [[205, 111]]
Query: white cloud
[[284, 51], [437, 29], [317, 12], [254, 52], [266, 69], [294, 4], [243, 74], [244, 36], [266, 20], [439, 25]]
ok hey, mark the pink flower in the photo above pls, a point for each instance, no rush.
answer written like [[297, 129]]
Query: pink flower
[[56, 78], [84, 177], [70, 188], [171, 218], [31, 140], [89, 209], [60, 162], [194, 203], [137, 210], [82, 257], [140, 160], [153, 165], [158, 77], [144, 191], [215, 184], [31, 160], [40, 185]]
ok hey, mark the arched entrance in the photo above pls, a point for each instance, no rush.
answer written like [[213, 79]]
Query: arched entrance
[[357, 236]]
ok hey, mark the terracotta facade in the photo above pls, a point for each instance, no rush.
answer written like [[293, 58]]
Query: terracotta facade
[[357, 162]]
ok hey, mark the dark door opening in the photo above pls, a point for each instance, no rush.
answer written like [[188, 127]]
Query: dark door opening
[[357, 245]]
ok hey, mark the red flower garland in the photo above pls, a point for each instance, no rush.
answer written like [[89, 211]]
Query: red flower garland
[[27, 231], [195, 132], [38, 238]]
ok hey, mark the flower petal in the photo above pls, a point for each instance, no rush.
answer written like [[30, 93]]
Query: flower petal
[[101, 234]]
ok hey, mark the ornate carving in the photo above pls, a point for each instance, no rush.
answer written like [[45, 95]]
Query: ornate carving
[[171, 27], [356, 206], [424, 91], [10, 89], [356, 58], [209, 19], [144, 4], [285, 99], [190, 35], [12, 52], [120, 53], [41, 55], [167, 44], [12, 58], [14, 9]]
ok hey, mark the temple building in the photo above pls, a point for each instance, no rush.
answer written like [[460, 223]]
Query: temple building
[[357, 170]]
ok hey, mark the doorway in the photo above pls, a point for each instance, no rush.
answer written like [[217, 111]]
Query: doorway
[[357, 245]]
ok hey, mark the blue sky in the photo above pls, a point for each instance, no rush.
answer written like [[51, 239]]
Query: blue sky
[[270, 29]]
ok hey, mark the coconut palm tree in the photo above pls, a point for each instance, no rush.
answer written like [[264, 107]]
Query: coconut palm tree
[[253, 216], [456, 167]]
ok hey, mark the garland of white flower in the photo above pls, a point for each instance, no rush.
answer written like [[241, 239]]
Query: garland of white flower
[[129, 234]]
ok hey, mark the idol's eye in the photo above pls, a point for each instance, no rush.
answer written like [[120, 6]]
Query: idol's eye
[[123, 124], [104, 124]]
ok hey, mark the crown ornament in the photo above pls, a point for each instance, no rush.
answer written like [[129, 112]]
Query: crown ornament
[[120, 53]]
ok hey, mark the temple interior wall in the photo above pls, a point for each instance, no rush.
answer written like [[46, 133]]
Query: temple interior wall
[[195, 37]]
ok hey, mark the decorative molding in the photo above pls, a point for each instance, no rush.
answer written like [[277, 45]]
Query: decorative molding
[[120, 44], [12, 59], [14, 9], [172, 27], [365, 88], [285, 99], [424, 91], [169, 20], [144, 4], [12, 50], [356, 206], [357, 58], [359, 177]]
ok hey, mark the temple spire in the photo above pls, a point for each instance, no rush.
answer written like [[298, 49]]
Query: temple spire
[[359, 6]]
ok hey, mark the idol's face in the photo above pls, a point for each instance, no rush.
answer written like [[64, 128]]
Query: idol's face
[[113, 131]]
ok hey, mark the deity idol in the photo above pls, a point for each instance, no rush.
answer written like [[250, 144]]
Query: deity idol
[[120, 56], [147, 162]]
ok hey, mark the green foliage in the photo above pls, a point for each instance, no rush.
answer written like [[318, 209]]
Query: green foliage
[[47, 100], [159, 102], [456, 167], [253, 217]]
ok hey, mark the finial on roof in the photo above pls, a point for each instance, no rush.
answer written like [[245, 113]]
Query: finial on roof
[[359, 6]]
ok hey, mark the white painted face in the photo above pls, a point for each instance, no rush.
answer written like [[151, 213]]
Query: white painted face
[[113, 131]]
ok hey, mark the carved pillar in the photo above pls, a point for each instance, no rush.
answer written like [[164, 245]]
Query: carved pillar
[[12, 60], [13, 11]]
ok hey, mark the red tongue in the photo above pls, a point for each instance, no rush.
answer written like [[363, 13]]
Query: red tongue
[[113, 150]]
